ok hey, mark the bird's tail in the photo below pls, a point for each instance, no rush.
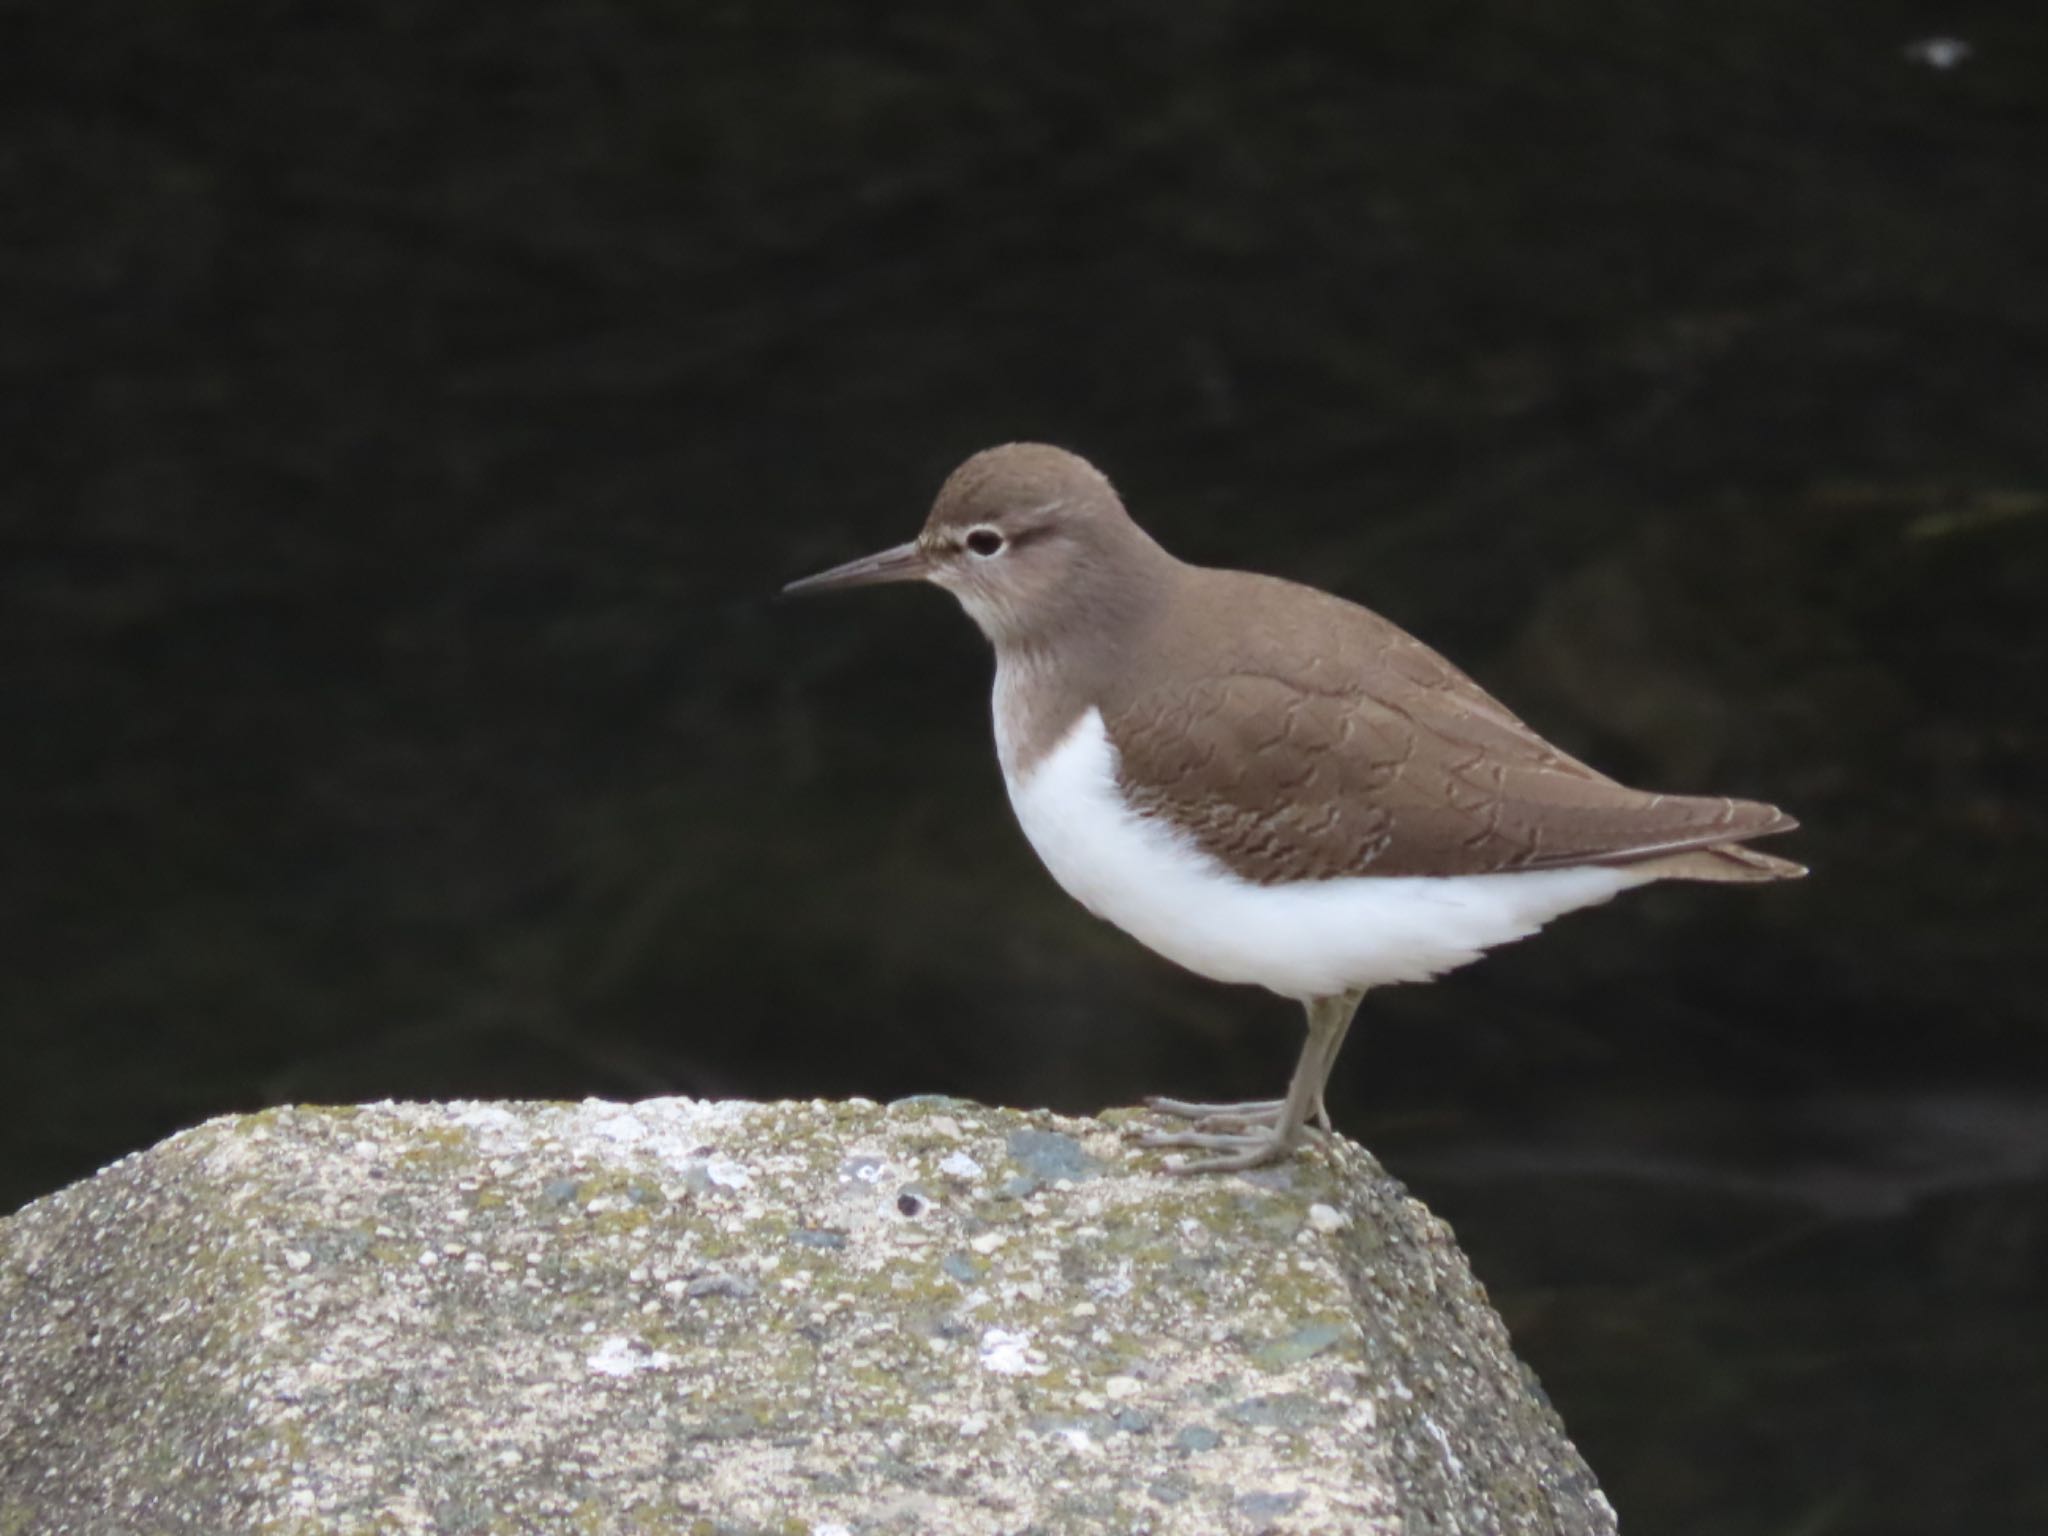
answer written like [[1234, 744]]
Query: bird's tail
[[1726, 863]]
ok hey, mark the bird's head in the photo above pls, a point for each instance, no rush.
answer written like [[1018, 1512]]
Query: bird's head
[[1023, 535]]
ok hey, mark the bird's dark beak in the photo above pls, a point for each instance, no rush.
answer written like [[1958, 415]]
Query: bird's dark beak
[[906, 562]]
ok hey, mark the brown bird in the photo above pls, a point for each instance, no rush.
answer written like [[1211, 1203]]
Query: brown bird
[[1265, 783]]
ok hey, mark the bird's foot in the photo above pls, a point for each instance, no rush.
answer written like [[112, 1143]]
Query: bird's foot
[[1244, 1149], [1231, 1117], [1219, 1117]]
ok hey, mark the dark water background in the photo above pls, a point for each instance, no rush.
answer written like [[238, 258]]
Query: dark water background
[[410, 410]]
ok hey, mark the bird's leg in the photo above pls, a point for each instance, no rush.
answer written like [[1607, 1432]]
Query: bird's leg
[[1330, 1059], [1328, 1018], [1242, 1115]]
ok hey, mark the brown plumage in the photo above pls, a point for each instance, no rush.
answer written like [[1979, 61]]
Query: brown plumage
[[1301, 737]]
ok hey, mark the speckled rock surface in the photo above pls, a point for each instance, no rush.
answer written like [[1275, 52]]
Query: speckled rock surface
[[734, 1318]]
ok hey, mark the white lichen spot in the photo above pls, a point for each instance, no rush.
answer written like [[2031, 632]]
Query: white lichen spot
[[621, 1126], [1327, 1218], [960, 1166], [1011, 1354], [621, 1356], [296, 1258], [727, 1174], [1436, 1432], [973, 1424], [1119, 1387], [988, 1242]]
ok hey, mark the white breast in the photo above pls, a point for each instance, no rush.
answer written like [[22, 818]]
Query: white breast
[[1306, 939]]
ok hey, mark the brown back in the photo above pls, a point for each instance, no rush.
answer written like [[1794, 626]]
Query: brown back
[[1298, 736]]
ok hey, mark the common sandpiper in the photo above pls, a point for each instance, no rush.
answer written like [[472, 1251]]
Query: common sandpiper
[[1266, 783]]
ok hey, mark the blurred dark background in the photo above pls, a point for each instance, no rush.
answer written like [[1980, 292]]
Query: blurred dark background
[[412, 411]]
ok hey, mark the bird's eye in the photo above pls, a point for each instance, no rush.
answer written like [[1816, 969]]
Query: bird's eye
[[984, 542]]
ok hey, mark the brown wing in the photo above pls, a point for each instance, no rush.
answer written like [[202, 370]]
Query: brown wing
[[1375, 756]]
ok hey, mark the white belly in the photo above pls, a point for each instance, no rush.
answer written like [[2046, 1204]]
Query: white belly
[[1312, 938]]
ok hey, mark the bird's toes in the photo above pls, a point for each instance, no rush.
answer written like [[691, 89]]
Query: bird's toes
[[1220, 1118], [1241, 1149], [1261, 1151], [1237, 1140], [1192, 1109]]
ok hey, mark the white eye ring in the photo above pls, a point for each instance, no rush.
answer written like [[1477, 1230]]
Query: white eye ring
[[983, 543]]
